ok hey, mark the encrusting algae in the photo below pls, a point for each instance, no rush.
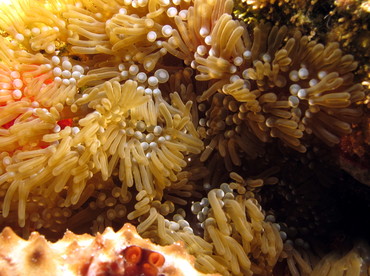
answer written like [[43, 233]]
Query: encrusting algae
[[153, 112]]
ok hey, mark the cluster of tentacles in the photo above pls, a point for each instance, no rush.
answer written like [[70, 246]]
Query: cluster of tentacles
[[171, 115]]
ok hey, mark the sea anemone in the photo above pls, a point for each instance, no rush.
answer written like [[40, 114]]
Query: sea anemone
[[122, 111]]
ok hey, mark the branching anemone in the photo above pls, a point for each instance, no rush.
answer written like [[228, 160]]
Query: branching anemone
[[284, 87], [121, 111]]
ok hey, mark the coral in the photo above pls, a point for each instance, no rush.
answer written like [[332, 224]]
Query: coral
[[118, 253], [194, 120]]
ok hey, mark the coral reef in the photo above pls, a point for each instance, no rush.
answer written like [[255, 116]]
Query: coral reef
[[204, 122]]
